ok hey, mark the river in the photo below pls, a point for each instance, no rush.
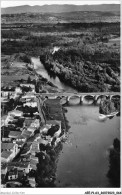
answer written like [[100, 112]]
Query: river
[[83, 160], [39, 67]]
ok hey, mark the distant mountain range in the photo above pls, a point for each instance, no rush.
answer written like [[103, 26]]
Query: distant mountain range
[[54, 8]]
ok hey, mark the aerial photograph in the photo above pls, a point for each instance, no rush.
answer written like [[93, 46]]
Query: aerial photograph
[[60, 94]]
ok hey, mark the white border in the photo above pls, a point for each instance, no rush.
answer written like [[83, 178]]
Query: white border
[[36, 191]]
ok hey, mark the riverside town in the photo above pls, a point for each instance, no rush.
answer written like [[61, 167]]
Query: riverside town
[[60, 96]]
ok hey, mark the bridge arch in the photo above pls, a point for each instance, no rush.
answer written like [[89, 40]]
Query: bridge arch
[[75, 99], [115, 97], [99, 98], [63, 100], [88, 99]]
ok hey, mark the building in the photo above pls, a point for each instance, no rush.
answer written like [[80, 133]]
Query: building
[[18, 90], [31, 129], [28, 97], [15, 113], [43, 141], [10, 147], [21, 138], [27, 133], [32, 182], [33, 164], [6, 93], [34, 158], [20, 144], [21, 166], [45, 128], [4, 169], [31, 104], [14, 134], [6, 156], [6, 119], [27, 122], [3, 120], [13, 174], [34, 148], [35, 123]]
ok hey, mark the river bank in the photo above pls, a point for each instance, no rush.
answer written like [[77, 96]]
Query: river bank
[[84, 159], [51, 78]]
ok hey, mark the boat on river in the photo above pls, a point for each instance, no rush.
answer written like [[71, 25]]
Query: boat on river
[[103, 116]]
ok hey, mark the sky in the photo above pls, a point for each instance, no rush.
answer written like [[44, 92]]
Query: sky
[[12, 3]]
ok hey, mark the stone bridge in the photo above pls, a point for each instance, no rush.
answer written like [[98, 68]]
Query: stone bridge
[[81, 98]]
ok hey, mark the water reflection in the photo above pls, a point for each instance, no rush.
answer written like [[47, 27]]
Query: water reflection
[[83, 161]]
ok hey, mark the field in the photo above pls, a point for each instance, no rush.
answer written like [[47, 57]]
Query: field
[[88, 58]]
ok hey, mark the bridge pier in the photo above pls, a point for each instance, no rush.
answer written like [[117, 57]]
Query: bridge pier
[[95, 99], [81, 99]]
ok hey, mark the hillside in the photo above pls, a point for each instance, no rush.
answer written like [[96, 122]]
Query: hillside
[[65, 17], [60, 8]]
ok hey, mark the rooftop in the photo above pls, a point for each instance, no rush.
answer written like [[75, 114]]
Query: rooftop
[[12, 172], [19, 164], [15, 133], [26, 133], [15, 112], [33, 162], [5, 154], [20, 143], [28, 122], [42, 141], [7, 146]]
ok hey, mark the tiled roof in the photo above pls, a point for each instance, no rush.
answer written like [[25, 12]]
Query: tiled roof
[[20, 137], [27, 122], [32, 182], [15, 133], [26, 132], [7, 146], [42, 141], [33, 157], [33, 167], [15, 112], [33, 162], [19, 164], [20, 143], [31, 128], [5, 154]]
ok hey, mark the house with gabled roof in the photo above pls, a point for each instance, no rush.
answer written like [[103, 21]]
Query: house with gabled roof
[[27, 133], [32, 182], [6, 156], [25, 166], [15, 113], [14, 134], [21, 138], [13, 174], [9, 147], [34, 148]]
